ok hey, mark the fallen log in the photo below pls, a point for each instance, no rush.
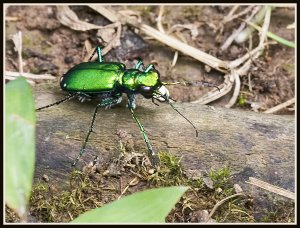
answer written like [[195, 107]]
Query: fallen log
[[251, 144]]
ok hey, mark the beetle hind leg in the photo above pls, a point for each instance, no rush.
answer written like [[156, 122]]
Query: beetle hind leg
[[67, 98]]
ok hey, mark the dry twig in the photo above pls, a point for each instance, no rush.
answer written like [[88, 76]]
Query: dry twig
[[14, 75], [236, 91], [259, 17], [133, 182], [271, 188], [244, 68], [158, 19], [161, 29], [221, 202], [115, 41], [17, 39], [68, 18], [230, 16], [232, 37], [280, 106]]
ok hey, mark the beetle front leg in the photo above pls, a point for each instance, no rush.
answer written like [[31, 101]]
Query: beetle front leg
[[154, 159], [131, 101]]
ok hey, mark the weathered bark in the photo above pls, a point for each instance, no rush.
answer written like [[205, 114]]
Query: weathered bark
[[252, 144]]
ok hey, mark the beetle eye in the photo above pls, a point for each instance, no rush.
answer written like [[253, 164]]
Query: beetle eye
[[145, 89]]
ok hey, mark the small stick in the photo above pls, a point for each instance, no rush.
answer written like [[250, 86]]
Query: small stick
[[230, 17], [175, 58], [70, 215], [20, 52], [125, 189], [231, 38], [12, 19], [161, 29], [11, 74], [261, 45], [111, 44], [249, 82], [235, 63], [281, 106], [158, 19], [17, 39], [271, 188], [13, 78], [220, 203], [236, 90], [243, 69]]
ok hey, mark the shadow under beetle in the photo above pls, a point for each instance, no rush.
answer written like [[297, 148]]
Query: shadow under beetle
[[107, 81]]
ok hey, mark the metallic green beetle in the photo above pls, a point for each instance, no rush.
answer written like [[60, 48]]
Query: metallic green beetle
[[107, 81]]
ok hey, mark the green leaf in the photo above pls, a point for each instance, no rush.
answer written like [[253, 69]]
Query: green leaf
[[150, 206], [19, 144]]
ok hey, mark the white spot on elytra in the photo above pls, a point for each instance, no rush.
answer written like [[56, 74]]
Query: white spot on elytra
[[61, 79], [65, 84]]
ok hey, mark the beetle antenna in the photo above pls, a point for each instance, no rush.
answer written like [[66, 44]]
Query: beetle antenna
[[67, 98], [173, 107], [196, 83], [184, 117]]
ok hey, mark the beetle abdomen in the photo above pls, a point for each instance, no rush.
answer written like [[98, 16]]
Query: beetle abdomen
[[92, 77]]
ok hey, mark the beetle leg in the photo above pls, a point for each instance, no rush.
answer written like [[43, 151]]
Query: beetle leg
[[140, 63], [153, 157], [131, 101], [69, 97], [115, 102], [104, 103], [99, 53], [154, 102], [83, 96], [82, 150]]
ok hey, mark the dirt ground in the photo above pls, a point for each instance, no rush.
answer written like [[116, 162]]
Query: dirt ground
[[52, 48]]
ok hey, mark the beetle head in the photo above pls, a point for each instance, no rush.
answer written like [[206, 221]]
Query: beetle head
[[148, 81], [151, 86]]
